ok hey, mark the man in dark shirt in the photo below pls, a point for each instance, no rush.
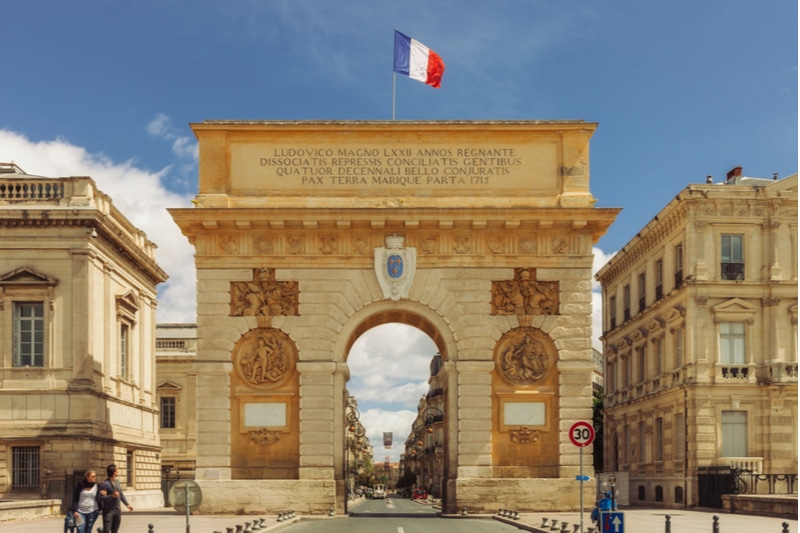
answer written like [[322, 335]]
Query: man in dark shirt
[[109, 495]]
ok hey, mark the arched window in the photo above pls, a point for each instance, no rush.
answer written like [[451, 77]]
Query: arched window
[[678, 494], [659, 493], [642, 493]]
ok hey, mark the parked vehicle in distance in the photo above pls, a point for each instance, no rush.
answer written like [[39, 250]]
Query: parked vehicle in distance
[[419, 494], [379, 491]]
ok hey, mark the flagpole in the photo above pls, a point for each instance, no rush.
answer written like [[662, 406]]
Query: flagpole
[[394, 74]]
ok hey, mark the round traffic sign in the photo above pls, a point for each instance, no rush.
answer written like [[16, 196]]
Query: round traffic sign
[[185, 494], [581, 434]]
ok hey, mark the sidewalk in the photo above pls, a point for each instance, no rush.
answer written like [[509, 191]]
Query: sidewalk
[[635, 521]]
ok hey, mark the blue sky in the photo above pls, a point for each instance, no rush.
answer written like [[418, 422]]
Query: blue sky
[[680, 90]]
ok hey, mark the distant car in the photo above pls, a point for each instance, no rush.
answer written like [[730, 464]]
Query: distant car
[[419, 494]]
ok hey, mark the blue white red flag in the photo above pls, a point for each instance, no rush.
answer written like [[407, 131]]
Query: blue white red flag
[[417, 61]]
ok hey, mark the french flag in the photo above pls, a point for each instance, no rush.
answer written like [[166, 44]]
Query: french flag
[[417, 61]]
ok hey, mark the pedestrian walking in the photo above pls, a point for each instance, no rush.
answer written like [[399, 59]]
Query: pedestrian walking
[[111, 498], [85, 508]]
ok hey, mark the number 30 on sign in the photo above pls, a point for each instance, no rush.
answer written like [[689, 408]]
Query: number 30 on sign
[[581, 434]]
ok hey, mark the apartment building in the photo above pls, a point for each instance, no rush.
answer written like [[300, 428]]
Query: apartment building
[[77, 340], [700, 340]]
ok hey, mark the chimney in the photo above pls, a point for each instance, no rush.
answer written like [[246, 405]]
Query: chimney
[[709, 179], [735, 172]]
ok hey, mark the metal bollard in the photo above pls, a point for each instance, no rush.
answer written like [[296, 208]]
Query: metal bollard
[[514, 515], [255, 527], [564, 527], [590, 530], [785, 527], [228, 530], [544, 522], [239, 528], [667, 524], [575, 528], [554, 525], [715, 525], [150, 528]]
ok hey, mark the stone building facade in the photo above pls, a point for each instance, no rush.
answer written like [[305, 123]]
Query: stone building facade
[[700, 340], [77, 339], [308, 234], [176, 390]]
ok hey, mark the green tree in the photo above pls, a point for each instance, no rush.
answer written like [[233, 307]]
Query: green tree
[[597, 422]]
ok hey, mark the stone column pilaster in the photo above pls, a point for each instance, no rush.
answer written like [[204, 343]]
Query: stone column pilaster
[[213, 419], [317, 414], [474, 419]]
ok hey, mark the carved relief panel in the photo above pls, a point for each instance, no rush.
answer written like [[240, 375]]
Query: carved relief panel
[[524, 295], [263, 296]]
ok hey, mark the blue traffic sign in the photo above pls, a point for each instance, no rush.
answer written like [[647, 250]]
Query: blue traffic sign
[[582, 478], [613, 522]]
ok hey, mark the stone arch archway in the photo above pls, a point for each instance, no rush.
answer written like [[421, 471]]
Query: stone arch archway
[[317, 231], [439, 404]]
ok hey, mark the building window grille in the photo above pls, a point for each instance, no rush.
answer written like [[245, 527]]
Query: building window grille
[[659, 439], [612, 312], [642, 443], [168, 412], [659, 279], [678, 348], [679, 266], [124, 331], [642, 292], [24, 467], [679, 428], [28, 334], [732, 259], [627, 444], [626, 303], [659, 356], [130, 465], [641, 363], [734, 434]]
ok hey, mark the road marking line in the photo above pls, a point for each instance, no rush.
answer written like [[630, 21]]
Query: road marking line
[[400, 530]]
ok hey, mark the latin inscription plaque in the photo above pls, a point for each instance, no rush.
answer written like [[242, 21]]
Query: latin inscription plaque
[[353, 167]]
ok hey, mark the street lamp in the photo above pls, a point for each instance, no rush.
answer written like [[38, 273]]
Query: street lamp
[[431, 416]]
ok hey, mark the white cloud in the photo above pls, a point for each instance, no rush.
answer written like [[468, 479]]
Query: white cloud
[[183, 146], [139, 194], [600, 259]]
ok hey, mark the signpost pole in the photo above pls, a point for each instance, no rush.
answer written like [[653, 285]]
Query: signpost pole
[[581, 500], [186, 487]]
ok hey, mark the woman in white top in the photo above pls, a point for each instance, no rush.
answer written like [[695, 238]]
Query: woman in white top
[[84, 502]]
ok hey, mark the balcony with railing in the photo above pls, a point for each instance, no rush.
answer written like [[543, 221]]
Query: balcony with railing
[[751, 464], [734, 373], [782, 372]]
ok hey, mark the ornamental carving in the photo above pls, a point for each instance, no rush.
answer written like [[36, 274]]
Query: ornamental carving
[[524, 355], [524, 435], [265, 357], [263, 296], [429, 244], [495, 243], [524, 295], [265, 437]]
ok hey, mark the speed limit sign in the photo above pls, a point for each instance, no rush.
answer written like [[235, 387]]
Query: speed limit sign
[[581, 434]]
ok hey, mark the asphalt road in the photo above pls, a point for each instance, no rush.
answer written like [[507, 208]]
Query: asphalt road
[[396, 515]]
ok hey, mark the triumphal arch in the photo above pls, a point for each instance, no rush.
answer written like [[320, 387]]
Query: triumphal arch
[[308, 234]]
